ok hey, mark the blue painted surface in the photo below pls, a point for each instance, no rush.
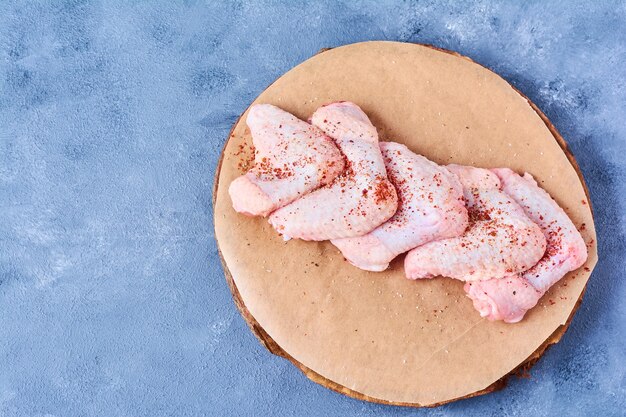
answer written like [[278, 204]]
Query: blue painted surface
[[112, 118]]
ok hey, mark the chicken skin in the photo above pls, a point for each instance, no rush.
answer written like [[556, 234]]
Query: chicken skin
[[292, 159], [430, 207], [357, 201], [509, 299], [501, 240]]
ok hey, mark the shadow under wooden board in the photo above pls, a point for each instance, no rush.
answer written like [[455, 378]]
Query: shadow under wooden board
[[378, 336]]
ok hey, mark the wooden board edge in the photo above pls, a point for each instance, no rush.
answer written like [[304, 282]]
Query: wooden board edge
[[521, 370]]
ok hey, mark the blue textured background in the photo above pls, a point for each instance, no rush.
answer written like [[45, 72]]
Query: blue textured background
[[112, 118]]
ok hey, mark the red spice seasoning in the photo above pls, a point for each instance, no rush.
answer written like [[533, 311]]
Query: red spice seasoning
[[383, 191], [245, 152]]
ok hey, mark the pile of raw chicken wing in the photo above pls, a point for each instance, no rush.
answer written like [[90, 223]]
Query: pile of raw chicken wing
[[331, 179]]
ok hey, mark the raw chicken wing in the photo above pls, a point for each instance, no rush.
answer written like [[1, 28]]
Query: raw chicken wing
[[292, 158], [358, 200], [501, 240], [509, 299], [430, 207]]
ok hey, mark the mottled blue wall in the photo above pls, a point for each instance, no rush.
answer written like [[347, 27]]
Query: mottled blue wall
[[112, 117]]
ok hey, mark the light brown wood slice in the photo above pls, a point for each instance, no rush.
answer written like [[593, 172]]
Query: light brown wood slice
[[377, 336]]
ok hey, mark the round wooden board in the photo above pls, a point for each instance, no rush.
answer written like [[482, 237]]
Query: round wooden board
[[377, 336]]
